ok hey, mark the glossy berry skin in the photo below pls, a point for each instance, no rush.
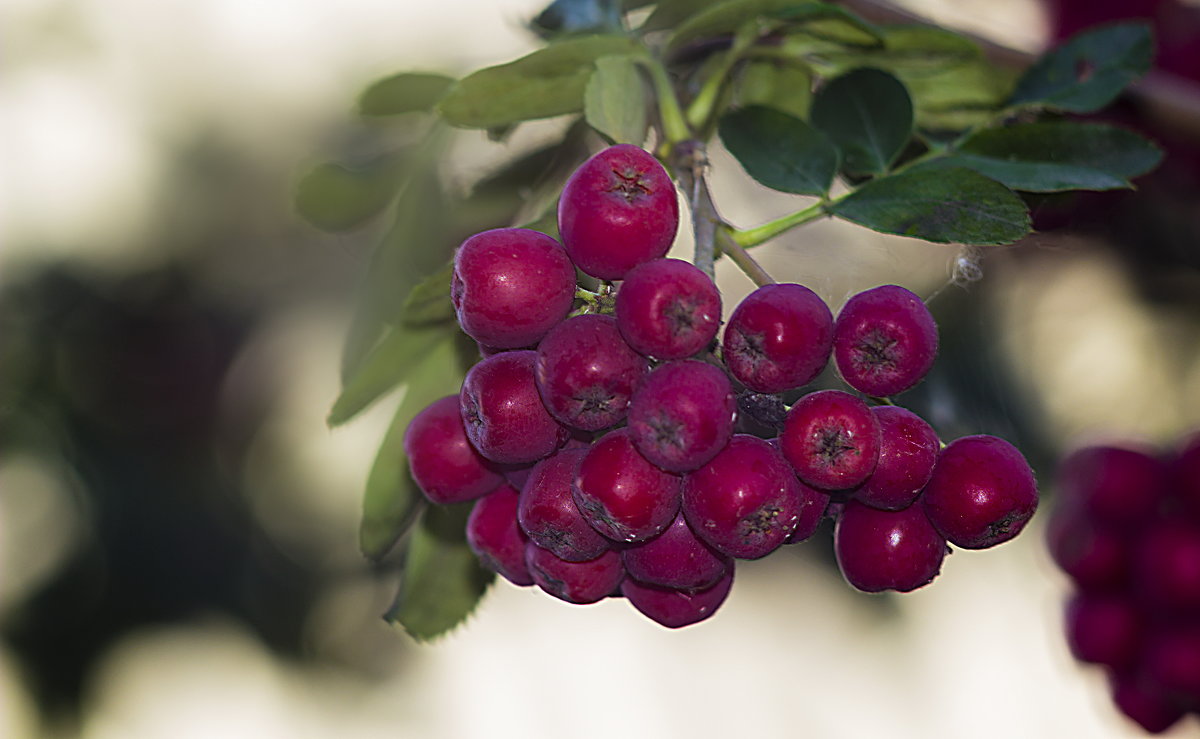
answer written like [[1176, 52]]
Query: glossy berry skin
[[677, 608], [907, 451], [548, 515], [1119, 486], [778, 338], [745, 502], [813, 509], [621, 494], [1104, 629], [575, 582], [617, 211], [668, 309], [586, 372], [884, 341], [1094, 556], [442, 461], [676, 558], [982, 492], [511, 286], [887, 550], [503, 412], [831, 439], [495, 537], [1166, 566], [682, 414]]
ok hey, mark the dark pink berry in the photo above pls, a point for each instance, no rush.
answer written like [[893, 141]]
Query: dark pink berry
[[1122, 487], [511, 286], [677, 608], [884, 341], [814, 508], [682, 414], [907, 451], [1172, 662], [575, 582], [1186, 475], [831, 439], [1104, 629], [503, 412], [778, 338], [586, 372], [1166, 566], [668, 309], [1094, 556], [621, 494], [745, 502], [982, 492], [547, 512], [496, 538], [676, 558], [617, 211], [1145, 703], [443, 463], [887, 550]]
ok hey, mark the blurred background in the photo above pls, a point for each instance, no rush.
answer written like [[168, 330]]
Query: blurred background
[[178, 525]]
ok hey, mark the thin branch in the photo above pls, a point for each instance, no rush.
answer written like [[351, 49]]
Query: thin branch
[[742, 259], [689, 160]]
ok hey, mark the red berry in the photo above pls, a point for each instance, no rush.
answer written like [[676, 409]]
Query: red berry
[[677, 608], [1172, 662], [1145, 703], [1186, 475], [884, 341], [1095, 557], [982, 492], [676, 558], [682, 414], [887, 550], [503, 413], [1166, 566], [621, 494], [586, 372], [575, 582], [617, 211], [668, 309], [831, 439], [511, 286], [443, 463], [547, 512], [778, 338], [907, 451], [1122, 487], [495, 537], [1104, 629], [745, 502]]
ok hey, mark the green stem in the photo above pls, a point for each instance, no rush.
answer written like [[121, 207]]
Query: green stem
[[700, 110], [769, 230], [748, 264], [674, 123]]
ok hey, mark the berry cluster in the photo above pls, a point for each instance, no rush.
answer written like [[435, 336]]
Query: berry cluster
[[600, 433], [1127, 533]]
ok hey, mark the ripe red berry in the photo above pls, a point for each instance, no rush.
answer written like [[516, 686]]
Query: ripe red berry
[[676, 558], [618, 210], [778, 338], [511, 286], [503, 412], [443, 463], [621, 494], [547, 512], [887, 550], [1122, 487], [586, 372], [677, 608], [1145, 703], [682, 414], [885, 341], [1186, 475], [831, 439], [1094, 556], [907, 451], [496, 538], [1104, 629], [1166, 566], [668, 309], [814, 508], [745, 502], [982, 492], [575, 582], [1172, 661]]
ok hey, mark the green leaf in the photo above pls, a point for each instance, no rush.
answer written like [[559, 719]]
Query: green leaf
[[546, 83], [386, 366], [1088, 71], [950, 205], [670, 13], [958, 97], [869, 115], [779, 150], [429, 301], [443, 580], [905, 50], [779, 85], [1055, 155], [407, 92], [337, 198], [614, 102], [392, 499], [819, 19]]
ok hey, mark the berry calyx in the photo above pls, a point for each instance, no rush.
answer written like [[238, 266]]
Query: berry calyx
[[982, 492], [586, 372], [831, 439], [548, 515], [441, 459], [682, 414], [778, 338], [668, 309], [884, 341]]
